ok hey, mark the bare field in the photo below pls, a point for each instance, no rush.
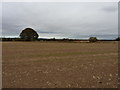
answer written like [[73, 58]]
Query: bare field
[[59, 65]]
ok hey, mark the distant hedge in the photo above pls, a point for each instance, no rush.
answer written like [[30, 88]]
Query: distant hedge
[[10, 39]]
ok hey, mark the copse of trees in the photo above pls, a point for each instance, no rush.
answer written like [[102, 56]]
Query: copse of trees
[[28, 34], [93, 39]]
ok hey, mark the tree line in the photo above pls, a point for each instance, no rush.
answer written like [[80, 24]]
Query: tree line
[[28, 34]]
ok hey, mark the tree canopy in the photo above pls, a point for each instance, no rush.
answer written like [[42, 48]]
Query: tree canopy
[[28, 34], [93, 39]]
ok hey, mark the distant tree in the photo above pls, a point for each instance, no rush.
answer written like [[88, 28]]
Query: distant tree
[[65, 39], [28, 34], [92, 39], [117, 39], [53, 39]]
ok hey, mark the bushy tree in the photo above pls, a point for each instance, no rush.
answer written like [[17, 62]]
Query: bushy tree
[[28, 34], [92, 39], [117, 39]]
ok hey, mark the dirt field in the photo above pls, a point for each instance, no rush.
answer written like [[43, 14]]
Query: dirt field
[[60, 65]]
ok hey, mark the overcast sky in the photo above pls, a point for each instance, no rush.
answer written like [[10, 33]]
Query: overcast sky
[[59, 20]]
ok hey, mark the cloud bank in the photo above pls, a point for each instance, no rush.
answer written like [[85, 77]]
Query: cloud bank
[[60, 19]]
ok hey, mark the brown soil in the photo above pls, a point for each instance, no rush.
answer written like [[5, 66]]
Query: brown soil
[[59, 65]]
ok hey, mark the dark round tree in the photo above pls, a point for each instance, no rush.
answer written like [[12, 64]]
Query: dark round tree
[[93, 39], [28, 34], [117, 39]]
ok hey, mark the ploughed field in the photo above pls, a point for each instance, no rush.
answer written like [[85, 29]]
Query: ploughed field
[[59, 65]]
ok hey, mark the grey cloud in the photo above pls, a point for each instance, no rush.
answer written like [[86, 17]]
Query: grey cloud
[[59, 19], [0, 19], [110, 9], [47, 32]]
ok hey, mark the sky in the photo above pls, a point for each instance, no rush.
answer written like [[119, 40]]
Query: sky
[[61, 19]]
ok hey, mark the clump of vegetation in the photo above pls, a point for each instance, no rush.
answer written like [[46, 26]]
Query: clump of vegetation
[[65, 39], [29, 34], [93, 39], [53, 39], [117, 39]]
